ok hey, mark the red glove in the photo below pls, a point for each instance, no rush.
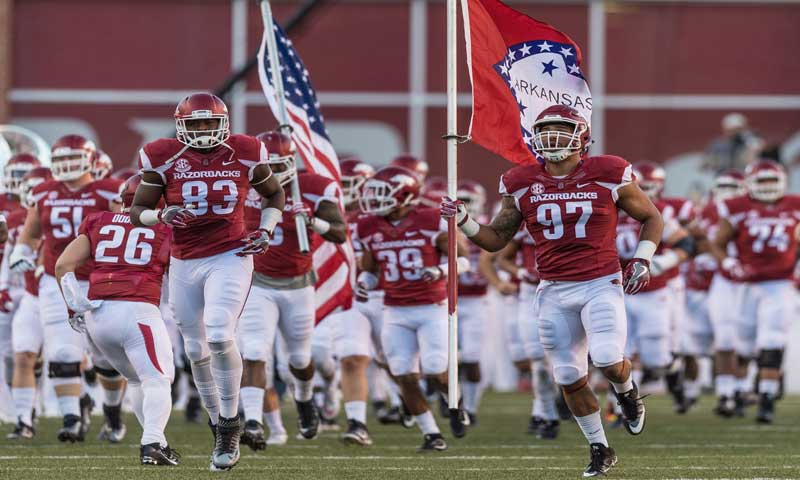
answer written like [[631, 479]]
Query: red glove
[[6, 304], [636, 275], [257, 243], [178, 217]]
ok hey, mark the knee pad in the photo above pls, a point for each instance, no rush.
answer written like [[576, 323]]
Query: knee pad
[[299, 359], [195, 350], [65, 370], [219, 333], [107, 373], [66, 354], [770, 359], [226, 353], [567, 374], [605, 354]]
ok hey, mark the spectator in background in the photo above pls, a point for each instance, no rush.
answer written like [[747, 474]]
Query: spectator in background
[[736, 148]]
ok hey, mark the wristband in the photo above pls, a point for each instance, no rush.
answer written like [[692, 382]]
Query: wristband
[[462, 266], [150, 217], [470, 227], [2, 218], [645, 250], [270, 217], [320, 226]]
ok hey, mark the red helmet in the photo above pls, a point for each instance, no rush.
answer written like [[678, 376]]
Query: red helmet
[[766, 180], [128, 190], [199, 107], [71, 157], [473, 195], [555, 145], [354, 174], [412, 164], [34, 177], [435, 188], [102, 165], [124, 173], [728, 184], [650, 177], [280, 155], [16, 168], [390, 188]]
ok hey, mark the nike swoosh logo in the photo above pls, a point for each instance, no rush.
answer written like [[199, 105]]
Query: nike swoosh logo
[[581, 185], [228, 163], [411, 234]]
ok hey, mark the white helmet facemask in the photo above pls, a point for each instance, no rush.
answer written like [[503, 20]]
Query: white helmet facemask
[[555, 145]]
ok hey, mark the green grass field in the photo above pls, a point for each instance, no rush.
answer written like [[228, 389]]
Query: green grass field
[[697, 445]]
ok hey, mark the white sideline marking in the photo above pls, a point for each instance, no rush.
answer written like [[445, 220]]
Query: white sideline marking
[[367, 457], [406, 469]]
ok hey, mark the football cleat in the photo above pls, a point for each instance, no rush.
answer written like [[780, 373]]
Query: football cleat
[[725, 407], [72, 430], [408, 420], [193, 408], [433, 442], [739, 404], [307, 419], [332, 404], [548, 430], [328, 425], [766, 408], [113, 430], [459, 421], [253, 435], [277, 438], [473, 419], [535, 424], [21, 431], [633, 410], [356, 434], [226, 447], [387, 415], [87, 405], [155, 454], [602, 458]]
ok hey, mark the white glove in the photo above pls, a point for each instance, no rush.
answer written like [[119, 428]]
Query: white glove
[[74, 296], [21, 259], [77, 322], [431, 274], [735, 268], [663, 262]]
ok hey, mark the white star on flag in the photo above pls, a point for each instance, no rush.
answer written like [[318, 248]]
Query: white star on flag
[[574, 69], [566, 52], [526, 49], [544, 46]]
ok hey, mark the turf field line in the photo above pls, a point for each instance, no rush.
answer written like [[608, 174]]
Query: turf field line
[[399, 469], [368, 457]]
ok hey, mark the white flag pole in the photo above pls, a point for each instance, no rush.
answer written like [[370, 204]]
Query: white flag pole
[[283, 116], [452, 229]]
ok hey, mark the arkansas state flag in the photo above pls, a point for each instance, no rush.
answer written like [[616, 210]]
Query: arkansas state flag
[[519, 66]]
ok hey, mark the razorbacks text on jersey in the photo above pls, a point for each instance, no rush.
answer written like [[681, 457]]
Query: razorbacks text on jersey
[[214, 183], [402, 251], [765, 238], [572, 219], [284, 259], [129, 261], [61, 212]]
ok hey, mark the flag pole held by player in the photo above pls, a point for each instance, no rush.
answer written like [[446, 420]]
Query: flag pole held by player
[[277, 81], [452, 255]]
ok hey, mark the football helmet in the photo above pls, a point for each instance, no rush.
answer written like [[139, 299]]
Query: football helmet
[[413, 164], [650, 177], [71, 157], [31, 179], [728, 184], [128, 190], [765, 180], [435, 188], [354, 174], [124, 173], [390, 188], [16, 169], [102, 165], [473, 195], [280, 155], [197, 107], [555, 145]]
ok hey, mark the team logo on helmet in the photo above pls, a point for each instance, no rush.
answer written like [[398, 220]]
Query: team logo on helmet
[[182, 165], [537, 189]]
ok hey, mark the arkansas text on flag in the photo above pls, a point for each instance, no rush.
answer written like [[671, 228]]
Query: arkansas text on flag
[[519, 66]]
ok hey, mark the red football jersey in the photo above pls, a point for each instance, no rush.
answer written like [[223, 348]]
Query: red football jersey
[[402, 250], [703, 267], [15, 220], [213, 182], [527, 252], [61, 212], [765, 236], [573, 219], [284, 260], [129, 261], [680, 209], [9, 205], [628, 240], [473, 283]]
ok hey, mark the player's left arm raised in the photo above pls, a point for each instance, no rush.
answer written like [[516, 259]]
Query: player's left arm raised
[[635, 203]]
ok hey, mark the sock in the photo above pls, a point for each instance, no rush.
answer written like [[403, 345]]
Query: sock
[[725, 385], [156, 407], [544, 391], [303, 389], [252, 402], [537, 409], [769, 387], [394, 394], [744, 385], [113, 398], [636, 376], [226, 367], [692, 388], [274, 421], [69, 405], [427, 423], [23, 403], [592, 428], [470, 392], [206, 388], [136, 395], [623, 387], [356, 410]]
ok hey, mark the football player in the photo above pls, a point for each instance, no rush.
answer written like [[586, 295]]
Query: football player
[[205, 175], [416, 165], [764, 225], [120, 312], [699, 277], [404, 244], [569, 205], [282, 292], [56, 210], [102, 166], [26, 327]]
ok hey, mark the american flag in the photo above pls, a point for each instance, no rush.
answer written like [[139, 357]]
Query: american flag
[[334, 264]]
